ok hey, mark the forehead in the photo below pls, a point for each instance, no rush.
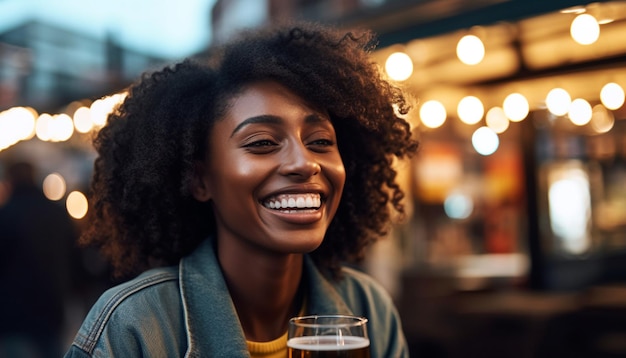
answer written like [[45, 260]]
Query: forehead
[[267, 97]]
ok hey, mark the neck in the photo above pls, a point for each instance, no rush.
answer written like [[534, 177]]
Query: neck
[[264, 289]]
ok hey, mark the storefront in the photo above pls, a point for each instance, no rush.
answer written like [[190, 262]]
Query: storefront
[[520, 179]]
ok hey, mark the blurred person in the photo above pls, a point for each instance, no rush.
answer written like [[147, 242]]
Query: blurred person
[[36, 236], [239, 187]]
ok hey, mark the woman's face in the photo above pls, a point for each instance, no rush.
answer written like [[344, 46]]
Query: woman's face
[[273, 172]]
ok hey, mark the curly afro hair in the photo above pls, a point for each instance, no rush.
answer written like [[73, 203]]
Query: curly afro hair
[[143, 212]]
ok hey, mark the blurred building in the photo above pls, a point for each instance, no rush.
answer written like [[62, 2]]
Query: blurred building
[[47, 67]]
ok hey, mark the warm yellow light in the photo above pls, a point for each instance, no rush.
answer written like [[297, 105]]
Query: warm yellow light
[[101, 108], [433, 114], [516, 107], [61, 127], [54, 186], [470, 50], [470, 110], [569, 203], [585, 29], [42, 129], [602, 120], [580, 112], [612, 96], [76, 205], [497, 120], [7, 136], [399, 66], [558, 101], [82, 120], [23, 122]]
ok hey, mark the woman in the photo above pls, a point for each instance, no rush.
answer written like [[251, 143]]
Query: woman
[[240, 185]]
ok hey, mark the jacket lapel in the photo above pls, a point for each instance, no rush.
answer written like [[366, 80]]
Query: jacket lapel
[[213, 327], [323, 296]]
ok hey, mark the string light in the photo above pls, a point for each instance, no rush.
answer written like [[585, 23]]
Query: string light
[[399, 66], [612, 96], [585, 29], [485, 141], [470, 50], [433, 114], [558, 101], [516, 107], [470, 110], [580, 112], [496, 120]]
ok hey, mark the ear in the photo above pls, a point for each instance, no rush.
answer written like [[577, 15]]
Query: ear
[[201, 183]]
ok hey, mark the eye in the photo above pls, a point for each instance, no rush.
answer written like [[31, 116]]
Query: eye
[[261, 146], [321, 145], [261, 143], [322, 142]]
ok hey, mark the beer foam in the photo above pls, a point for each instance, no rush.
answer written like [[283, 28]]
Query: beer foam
[[328, 343]]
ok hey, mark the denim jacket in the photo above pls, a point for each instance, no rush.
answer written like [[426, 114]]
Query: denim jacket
[[186, 311]]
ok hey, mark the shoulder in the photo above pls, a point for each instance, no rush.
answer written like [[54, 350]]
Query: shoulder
[[368, 298], [131, 309], [362, 285]]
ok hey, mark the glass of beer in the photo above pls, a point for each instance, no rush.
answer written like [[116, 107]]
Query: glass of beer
[[328, 336]]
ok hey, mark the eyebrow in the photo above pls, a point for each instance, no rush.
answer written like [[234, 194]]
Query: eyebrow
[[271, 119]]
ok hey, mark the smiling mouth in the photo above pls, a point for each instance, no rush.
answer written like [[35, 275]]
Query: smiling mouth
[[294, 202]]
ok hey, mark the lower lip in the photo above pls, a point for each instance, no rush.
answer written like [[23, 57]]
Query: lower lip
[[300, 217]]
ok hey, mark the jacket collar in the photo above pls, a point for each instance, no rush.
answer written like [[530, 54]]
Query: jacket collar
[[211, 321]]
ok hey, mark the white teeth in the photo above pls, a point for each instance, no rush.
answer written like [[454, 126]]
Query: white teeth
[[294, 201]]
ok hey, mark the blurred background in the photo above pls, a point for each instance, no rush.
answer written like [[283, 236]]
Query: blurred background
[[515, 240]]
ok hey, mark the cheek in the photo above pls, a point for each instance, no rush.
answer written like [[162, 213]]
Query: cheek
[[336, 174], [236, 173]]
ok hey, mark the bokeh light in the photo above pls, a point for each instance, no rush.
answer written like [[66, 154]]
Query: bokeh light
[[470, 110], [496, 120], [470, 50], [458, 206], [485, 141], [580, 112], [585, 29], [558, 101], [54, 186], [433, 114], [612, 95], [516, 107], [77, 204], [399, 66], [602, 120]]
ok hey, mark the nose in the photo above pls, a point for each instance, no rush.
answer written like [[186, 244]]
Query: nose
[[298, 161]]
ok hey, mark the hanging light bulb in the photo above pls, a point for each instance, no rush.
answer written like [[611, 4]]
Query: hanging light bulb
[[558, 101], [470, 50], [399, 66], [580, 112], [485, 141], [470, 110], [612, 96], [496, 120], [516, 107], [585, 29], [602, 120], [433, 114]]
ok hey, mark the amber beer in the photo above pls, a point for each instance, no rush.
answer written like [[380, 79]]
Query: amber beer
[[328, 347], [328, 336]]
